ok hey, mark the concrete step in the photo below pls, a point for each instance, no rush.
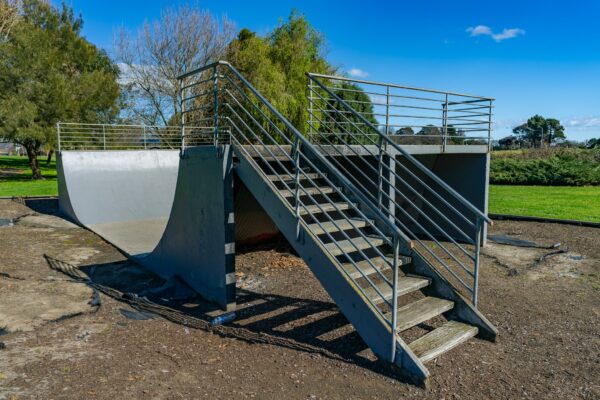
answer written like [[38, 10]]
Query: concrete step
[[325, 207], [367, 269], [339, 225], [313, 191], [420, 311], [442, 339], [352, 245], [406, 284]]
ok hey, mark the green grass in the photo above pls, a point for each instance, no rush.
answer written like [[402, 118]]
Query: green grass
[[15, 178], [564, 202]]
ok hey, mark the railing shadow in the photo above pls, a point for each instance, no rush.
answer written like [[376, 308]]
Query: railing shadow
[[300, 324]]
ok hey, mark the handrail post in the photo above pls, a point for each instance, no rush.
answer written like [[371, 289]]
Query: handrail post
[[380, 144], [182, 106], [216, 104], [296, 158], [310, 109], [144, 134], [490, 127], [445, 126], [394, 294], [104, 135], [478, 232], [58, 136]]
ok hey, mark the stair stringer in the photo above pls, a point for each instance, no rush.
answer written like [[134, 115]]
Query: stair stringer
[[372, 328], [463, 310]]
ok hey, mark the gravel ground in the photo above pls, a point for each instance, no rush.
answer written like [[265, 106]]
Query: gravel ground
[[548, 315]]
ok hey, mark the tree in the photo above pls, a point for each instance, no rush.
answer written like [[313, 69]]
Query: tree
[[277, 63], [538, 130], [9, 15], [49, 73], [182, 39]]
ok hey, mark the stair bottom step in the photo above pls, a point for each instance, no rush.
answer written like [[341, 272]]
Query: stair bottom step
[[442, 339]]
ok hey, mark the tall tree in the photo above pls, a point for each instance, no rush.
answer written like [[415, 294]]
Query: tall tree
[[9, 15], [49, 73], [277, 64], [181, 39], [538, 130]]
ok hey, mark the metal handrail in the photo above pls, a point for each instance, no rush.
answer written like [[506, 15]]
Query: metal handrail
[[380, 144]]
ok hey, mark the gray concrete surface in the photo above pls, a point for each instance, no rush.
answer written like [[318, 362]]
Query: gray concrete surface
[[172, 215]]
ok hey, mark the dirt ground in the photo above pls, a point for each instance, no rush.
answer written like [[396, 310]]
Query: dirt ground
[[292, 341]]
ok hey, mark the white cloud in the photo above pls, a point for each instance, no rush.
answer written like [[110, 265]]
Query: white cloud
[[357, 73], [498, 37], [583, 122]]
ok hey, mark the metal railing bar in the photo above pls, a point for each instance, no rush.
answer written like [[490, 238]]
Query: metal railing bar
[[391, 85]]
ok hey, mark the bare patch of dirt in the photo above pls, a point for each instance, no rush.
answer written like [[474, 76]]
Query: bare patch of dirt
[[547, 315]]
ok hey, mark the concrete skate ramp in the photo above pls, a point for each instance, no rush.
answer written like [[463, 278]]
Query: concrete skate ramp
[[124, 196], [172, 215]]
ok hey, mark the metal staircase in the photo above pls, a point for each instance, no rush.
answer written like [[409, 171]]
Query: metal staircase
[[344, 228]]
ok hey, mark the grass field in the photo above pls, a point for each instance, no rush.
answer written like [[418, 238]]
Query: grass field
[[15, 178], [564, 202]]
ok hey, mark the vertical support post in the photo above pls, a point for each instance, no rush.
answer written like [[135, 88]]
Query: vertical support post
[[296, 157], [58, 136], [394, 294], [216, 104], [445, 125], [310, 109], [380, 145], [182, 106], [104, 135], [144, 135], [476, 266], [490, 127]]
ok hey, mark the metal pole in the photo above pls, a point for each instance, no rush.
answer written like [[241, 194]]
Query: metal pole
[[296, 157], [394, 295], [476, 268], [104, 135], [182, 106], [380, 145], [310, 108], [490, 127], [144, 135], [58, 135], [445, 122], [216, 104]]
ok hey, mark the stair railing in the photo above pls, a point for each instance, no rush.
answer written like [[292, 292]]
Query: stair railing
[[276, 149], [445, 227]]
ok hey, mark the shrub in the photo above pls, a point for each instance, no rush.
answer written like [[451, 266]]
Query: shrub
[[565, 166]]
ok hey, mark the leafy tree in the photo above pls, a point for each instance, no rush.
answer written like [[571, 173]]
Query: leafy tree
[[538, 130], [407, 130], [49, 73]]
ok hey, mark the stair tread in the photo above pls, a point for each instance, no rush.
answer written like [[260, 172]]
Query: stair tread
[[350, 246], [420, 311], [342, 225], [406, 284], [291, 177], [308, 190], [368, 269], [442, 339], [326, 207]]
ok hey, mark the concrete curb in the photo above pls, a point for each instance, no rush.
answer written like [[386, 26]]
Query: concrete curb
[[509, 217]]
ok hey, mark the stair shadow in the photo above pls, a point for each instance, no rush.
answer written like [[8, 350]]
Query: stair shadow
[[317, 326]]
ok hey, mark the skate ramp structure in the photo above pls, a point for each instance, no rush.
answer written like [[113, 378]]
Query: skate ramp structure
[[165, 212]]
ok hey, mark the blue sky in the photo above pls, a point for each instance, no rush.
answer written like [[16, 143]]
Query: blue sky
[[533, 57]]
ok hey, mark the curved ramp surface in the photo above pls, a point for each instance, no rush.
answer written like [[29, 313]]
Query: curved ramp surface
[[173, 215], [124, 196]]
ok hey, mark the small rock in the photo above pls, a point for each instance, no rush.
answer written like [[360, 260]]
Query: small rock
[[2, 346]]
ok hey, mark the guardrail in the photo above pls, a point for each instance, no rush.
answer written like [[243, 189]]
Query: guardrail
[[432, 214], [83, 136], [407, 115]]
